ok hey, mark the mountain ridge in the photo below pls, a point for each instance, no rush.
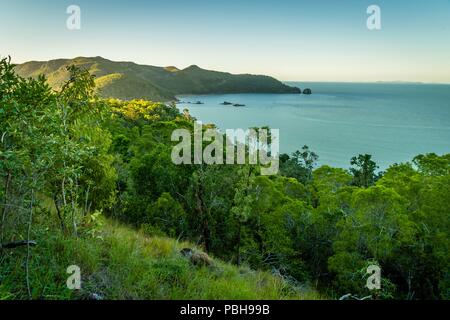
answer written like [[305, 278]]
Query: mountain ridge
[[128, 80]]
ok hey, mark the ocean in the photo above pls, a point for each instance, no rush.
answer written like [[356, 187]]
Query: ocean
[[393, 122]]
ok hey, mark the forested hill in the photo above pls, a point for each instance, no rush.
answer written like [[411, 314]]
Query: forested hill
[[75, 169], [128, 80]]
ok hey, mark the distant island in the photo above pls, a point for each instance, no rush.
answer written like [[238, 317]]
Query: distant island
[[227, 103], [128, 80]]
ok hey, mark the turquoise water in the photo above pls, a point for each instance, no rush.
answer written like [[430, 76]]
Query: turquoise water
[[392, 122]]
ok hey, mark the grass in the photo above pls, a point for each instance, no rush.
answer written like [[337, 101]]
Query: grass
[[122, 263]]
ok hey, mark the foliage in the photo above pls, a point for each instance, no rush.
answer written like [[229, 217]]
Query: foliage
[[68, 159], [363, 170]]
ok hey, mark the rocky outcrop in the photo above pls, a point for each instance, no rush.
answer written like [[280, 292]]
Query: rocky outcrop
[[197, 258]]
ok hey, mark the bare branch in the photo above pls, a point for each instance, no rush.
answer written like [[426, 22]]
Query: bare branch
[[13, 245]]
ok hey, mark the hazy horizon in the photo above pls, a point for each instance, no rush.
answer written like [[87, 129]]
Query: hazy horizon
[[282, 80]]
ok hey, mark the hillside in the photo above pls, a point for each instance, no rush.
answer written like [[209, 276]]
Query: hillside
[[155, 269], [92, 182], [128, 80]]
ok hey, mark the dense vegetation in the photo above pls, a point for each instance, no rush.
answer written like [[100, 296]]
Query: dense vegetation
[[67, 159], [127, 80]]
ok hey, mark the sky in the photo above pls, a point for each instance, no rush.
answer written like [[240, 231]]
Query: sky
[[289, 39]]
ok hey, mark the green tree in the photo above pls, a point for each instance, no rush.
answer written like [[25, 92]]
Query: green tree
[[167, 215], [363, 170], [299, 165]]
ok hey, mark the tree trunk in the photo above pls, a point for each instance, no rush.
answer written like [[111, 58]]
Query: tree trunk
[[202, 212], [238, 258], [27, 264], [5, 204], [58, 211]]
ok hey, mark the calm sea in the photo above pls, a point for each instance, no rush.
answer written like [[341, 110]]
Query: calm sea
[[392, 122]]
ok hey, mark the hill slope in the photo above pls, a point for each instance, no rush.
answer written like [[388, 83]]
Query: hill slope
[[127, 80], [121, 263]]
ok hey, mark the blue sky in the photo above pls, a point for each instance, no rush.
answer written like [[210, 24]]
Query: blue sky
[[289, 39]]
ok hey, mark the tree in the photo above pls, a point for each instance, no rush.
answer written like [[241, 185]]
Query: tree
[[433, 165], [167, 215], [299, 165], [363, 170]]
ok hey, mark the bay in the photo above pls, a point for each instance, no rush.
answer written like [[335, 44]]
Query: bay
[[393, 122]]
